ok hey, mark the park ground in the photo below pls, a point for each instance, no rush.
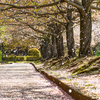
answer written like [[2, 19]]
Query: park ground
[[81, 74], [20, 81]]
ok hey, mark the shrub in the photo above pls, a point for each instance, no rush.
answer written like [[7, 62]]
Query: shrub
[[12, 58], [97, 50], [19, 58], [9, 58], [34, 52], [98, 54], [0, 56], [31, 58]]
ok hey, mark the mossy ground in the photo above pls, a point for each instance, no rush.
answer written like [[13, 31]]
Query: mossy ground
[[86, 65], [82, 74]]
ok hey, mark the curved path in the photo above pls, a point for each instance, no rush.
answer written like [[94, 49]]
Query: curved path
[[23, 82]]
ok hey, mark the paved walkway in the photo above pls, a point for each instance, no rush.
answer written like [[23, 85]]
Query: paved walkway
[[22, 82]]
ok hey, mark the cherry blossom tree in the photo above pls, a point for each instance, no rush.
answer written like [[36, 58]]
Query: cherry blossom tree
[[82, 6]]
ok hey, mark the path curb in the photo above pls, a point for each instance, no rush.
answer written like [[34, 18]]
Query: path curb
[[74, 94]]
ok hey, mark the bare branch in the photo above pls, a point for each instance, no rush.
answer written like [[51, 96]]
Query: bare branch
[[77, 2], [4, 9], [27, 7], [97, 8], [89, 5], [62, 23], [37, 30], [77, 5]]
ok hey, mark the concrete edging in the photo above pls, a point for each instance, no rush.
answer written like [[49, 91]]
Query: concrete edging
[[74, 94]]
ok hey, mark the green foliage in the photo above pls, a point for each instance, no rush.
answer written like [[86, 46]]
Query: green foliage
[[12, 58], [97, 53], [0, 56], [20, 58], [98, 50], [31, 58], [34, 52], [3, 33], [9, 58]]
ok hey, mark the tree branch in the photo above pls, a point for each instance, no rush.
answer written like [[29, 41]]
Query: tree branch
[[89, 5], [97, 8], [37, 30], [76, 4], [35, 7], [62, 23]]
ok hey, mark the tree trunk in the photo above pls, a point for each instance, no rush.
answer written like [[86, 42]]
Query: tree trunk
[[59, 45], [48, 47], [85, 32], [94, 50], [70, 36], [2, 51], [54, 49], [17, 51], [43, 49], [26, 50]]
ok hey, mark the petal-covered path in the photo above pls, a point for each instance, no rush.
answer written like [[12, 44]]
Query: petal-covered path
[[23, 82]]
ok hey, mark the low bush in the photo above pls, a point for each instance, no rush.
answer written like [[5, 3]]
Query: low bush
[[12, 58], [98, 54], [20, 58], [9, 58], [32, 58], [34, 52], [0, 56]]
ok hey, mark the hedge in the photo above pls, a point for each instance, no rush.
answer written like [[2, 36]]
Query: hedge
[[9, 58], [21, 58], [0, 56], [31, 58], [12, 58]]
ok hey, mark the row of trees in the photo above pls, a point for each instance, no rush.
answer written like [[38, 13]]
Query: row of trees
[[52, 18], [15, 40]]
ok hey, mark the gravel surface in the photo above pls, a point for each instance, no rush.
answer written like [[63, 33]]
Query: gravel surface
[[22, 82]]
